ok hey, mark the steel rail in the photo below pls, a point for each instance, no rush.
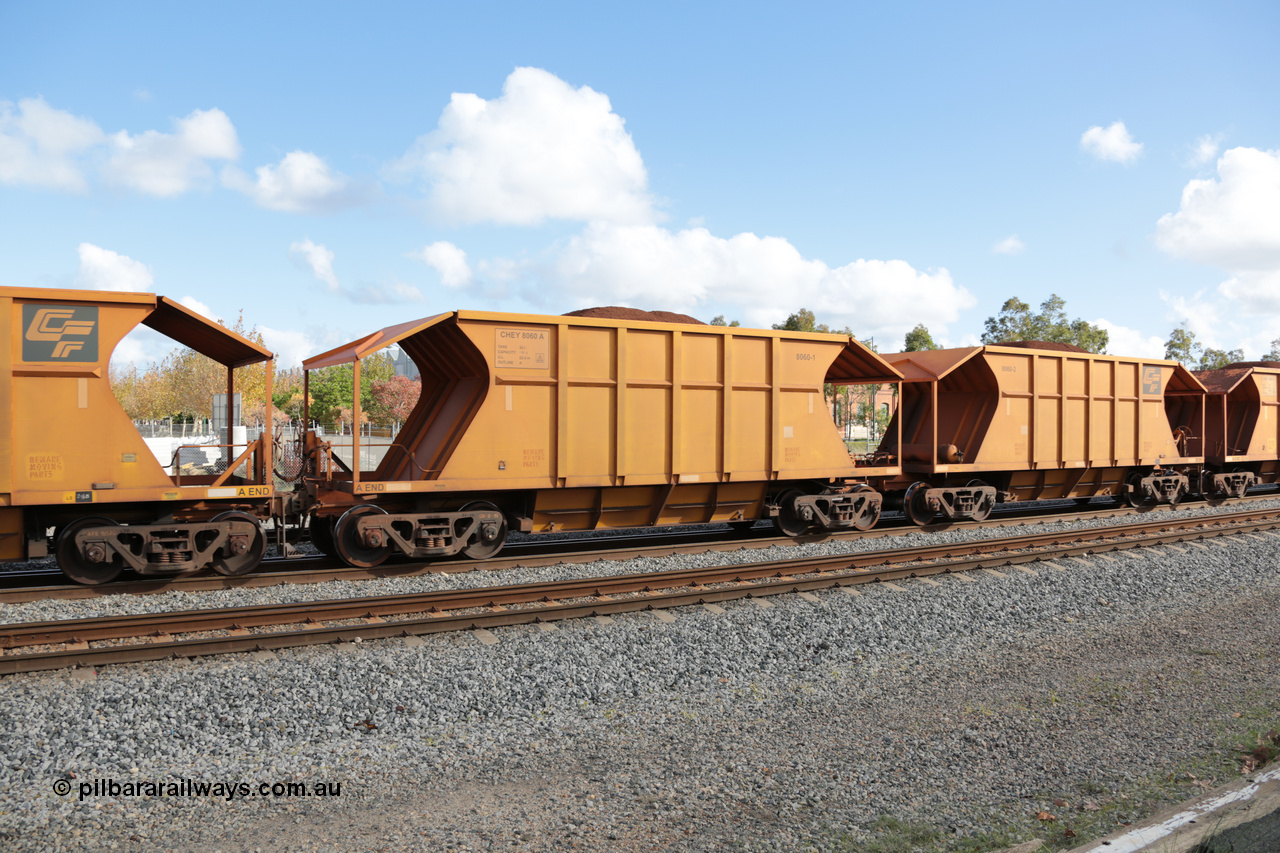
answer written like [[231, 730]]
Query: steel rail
[[322, 569], [541, 601]]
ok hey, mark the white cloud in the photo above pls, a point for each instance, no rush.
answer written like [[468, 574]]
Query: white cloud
[[300, 183], [1010, 245], [136, 348], [40, 145], [103, 269], [319, 260], [1258, 291], [542, 150], [448, 260], [193, 304], [1217, 321], [47, 147], [1233, 222], [291, 347], [385, 294], [1123, 340], [1206, 149], [169, 164], [1113, 143], [763, 278]]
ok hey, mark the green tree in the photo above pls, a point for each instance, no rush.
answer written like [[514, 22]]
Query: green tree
[[1274, 353], [1016, 322], [919, 339], [718, 320], [333, 388], [286, 392], [801, 321], [1215, 359], [805, 321], [1182, 346]]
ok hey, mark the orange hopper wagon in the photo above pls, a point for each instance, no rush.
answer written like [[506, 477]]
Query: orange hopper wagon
[[1242, 427], [551, 423], [72, 460], [1018, 422]]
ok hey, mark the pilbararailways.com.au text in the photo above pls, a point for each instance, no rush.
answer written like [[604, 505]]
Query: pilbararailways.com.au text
[[227, 790]]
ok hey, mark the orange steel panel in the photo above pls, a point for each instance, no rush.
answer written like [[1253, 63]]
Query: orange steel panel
[[1010, 408], [527, 401], [1244, 415], [7, 415], [65, 439], [69, 431]]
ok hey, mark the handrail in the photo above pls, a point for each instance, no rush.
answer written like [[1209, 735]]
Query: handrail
[[243, 457], [252, 447]]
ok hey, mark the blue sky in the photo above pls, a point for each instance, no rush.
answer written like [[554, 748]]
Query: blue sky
[[331, 169]]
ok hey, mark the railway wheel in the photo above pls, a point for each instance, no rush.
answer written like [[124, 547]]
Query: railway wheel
[[351, 547], [1135, 495], [74, 564], [1211, 497], [866, 520], [489, 538], [322, 534], [983, 510], [914, 506], [789, 520], [234, 565]]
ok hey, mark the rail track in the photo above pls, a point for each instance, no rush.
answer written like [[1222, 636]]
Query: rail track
[[40, 584], [30, 647]]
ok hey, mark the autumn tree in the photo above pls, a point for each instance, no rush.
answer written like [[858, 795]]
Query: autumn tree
[[918, 339], [182, 384], [139, 391], [1016, 322], [395, 398]]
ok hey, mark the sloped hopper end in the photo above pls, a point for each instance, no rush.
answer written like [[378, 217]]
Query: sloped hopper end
[[1184, 399], [858, 365], [455, 380]]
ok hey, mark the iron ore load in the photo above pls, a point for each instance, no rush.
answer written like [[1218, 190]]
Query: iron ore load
[[1039, 421], [544, 424], [72, 461]]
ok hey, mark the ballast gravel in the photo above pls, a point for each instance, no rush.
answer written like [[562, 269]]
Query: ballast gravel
[[797, 726]]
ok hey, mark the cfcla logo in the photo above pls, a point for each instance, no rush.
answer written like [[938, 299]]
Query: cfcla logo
[[1151, 379], [55, 324], [60, 333]]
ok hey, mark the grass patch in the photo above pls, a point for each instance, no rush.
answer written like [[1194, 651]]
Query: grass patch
[[895, 836], [1090, 810]]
